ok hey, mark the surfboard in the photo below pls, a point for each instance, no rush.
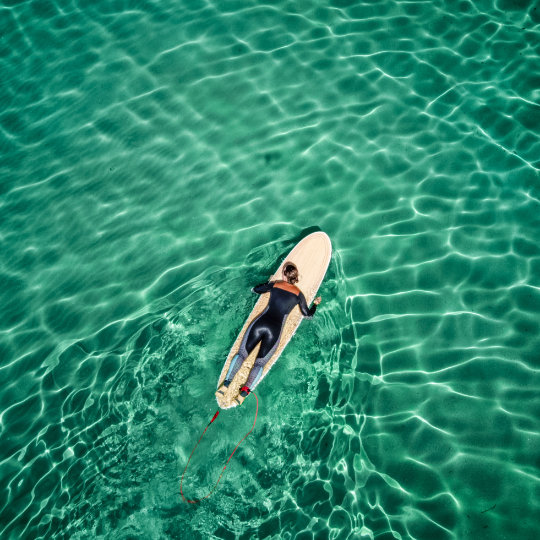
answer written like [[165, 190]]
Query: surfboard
[[311, 256]]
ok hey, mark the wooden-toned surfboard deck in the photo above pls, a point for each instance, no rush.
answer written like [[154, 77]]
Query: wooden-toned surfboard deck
[[311, 256]]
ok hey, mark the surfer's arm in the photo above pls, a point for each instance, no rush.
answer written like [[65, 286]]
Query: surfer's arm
[[306, 312], [263, 287]]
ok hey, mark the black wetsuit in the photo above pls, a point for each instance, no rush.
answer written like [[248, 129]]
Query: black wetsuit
[[266, 329]]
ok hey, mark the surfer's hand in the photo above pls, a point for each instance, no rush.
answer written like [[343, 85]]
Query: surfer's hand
[[317, 300]]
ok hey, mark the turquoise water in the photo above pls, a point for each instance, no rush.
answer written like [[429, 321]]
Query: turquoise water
[[159, 158]]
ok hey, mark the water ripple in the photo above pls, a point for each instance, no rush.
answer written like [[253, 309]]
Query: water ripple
[[157, 159]]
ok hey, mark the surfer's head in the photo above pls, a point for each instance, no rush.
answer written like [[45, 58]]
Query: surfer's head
[[290, 272]]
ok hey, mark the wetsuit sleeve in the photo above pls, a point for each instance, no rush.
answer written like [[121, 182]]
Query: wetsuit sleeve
[[306, 312], [263, 287]]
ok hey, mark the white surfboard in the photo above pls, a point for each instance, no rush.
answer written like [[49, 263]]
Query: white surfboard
[[311, 256]]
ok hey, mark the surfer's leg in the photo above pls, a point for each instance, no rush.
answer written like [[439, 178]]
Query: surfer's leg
[[269, 343], [236, 364], [251, 338], [255, 373]]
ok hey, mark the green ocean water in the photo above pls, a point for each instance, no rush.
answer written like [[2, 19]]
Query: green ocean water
[[157, 160]]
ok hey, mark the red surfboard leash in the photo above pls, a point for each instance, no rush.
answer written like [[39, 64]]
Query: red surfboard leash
[[194, 501]]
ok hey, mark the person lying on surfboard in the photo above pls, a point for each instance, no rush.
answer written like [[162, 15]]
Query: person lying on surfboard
[[266, 328]]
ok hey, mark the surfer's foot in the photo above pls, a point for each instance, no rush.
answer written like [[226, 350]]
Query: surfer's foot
[[244, 391], [226, 383]]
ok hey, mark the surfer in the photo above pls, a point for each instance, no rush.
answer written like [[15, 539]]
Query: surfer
[[267, 327]]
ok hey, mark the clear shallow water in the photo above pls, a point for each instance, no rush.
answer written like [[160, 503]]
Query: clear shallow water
[[157, 158]]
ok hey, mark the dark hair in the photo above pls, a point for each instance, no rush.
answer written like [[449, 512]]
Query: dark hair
[[291, 272]]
